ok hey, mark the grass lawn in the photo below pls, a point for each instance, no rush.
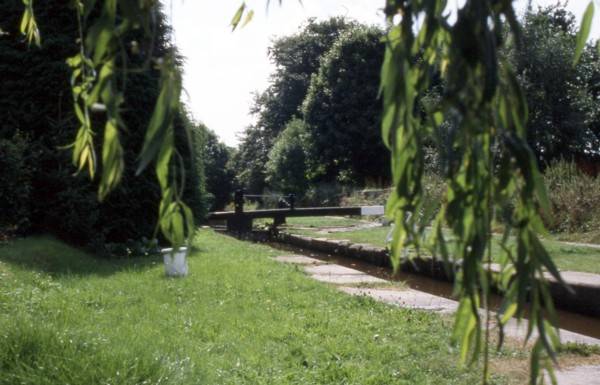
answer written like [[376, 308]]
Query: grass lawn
[[239, 318], [567, 257]]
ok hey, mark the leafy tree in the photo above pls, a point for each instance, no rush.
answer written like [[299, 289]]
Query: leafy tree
[[562, 99], [220, 176], [288, 163], [191, 141], [296, 58], [250, 159], [342, 111]]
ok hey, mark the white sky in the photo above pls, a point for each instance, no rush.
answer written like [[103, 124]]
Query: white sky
[[224, 68]]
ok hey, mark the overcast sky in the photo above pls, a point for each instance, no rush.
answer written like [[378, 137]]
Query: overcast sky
[[224, 68]]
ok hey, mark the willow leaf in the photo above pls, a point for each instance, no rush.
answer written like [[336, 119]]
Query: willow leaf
[[237, 17], [112, 159], [162, 116], [248, 18], [28, 25], [584, 31]]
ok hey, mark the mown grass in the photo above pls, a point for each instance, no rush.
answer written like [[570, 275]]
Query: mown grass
[[239, 318], [567, 257]]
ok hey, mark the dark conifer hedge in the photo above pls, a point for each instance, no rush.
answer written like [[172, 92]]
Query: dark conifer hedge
[[36, 108]]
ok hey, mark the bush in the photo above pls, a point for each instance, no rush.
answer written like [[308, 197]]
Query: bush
[[574, 197], [323, 194], [287, 165]]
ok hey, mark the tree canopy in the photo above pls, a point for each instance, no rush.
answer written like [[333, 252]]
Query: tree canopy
[[562, 98], [218, 167], [342, 111], [296, 58], [288, 159]]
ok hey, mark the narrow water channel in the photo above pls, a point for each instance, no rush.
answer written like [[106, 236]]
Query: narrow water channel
[[588, 326]]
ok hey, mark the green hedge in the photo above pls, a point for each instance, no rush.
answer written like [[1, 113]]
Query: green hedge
[[36, 104]]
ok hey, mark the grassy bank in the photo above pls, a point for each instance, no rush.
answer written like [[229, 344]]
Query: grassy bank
[[239, 318], [567, 257]]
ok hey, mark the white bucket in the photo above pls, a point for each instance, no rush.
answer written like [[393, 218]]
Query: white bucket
[[175, 262]]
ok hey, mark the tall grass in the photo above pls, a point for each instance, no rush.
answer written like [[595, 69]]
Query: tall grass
[[575, 199]]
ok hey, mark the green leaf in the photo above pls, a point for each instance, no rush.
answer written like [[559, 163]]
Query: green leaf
[[112, 159], [534, 369], [464, 327], [28, 25], [163, 159], [540, 252], [238, 16], [584, 31], [163, 115], [248, 18]]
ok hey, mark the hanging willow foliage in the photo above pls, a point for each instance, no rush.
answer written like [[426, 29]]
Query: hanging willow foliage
[[495, 165], [481, 94]]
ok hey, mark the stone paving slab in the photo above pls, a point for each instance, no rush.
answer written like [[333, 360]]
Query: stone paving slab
[[580, 375], [347, 279], [332, 269], [299, 260], [407, 298], [570, 277], [579, 244], [579, 278], [518, 330], [329, 273]]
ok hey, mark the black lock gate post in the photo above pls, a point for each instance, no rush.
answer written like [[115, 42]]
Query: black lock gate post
[[239, 223]]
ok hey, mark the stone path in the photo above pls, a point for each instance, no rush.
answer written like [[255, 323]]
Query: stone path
[[340, 275], [579, 244], [299, 260], [580, 375], [409, 298], [362, 226]]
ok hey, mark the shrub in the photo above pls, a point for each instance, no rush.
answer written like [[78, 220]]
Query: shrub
[[574, 197], [323, 194], [287, 164]]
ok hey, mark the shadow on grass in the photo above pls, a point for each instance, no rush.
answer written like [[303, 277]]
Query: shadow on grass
[[49, 255]]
